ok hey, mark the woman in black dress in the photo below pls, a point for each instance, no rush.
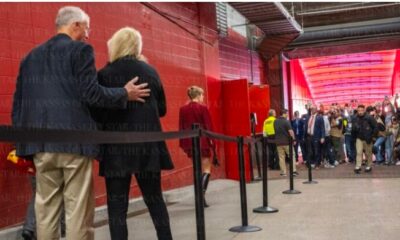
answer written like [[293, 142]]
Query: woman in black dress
[[144, 160]]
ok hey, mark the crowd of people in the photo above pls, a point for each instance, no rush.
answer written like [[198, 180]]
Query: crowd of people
[[327, 136]]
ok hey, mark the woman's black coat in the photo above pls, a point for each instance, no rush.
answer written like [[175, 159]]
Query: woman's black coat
[[119, 160]]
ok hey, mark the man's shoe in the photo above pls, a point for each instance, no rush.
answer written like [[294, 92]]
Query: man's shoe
[[329, 165], [336, 163], [283, 174], [295, 174], [357, 171], [368, 169], [28, 235]]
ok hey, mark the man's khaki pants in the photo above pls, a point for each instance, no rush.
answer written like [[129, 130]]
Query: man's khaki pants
[[282, 150], [64, 177], [360, 146]]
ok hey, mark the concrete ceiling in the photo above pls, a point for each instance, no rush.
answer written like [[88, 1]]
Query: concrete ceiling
[[316, 25]]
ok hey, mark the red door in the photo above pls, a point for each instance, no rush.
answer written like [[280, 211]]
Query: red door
[[236, 120]]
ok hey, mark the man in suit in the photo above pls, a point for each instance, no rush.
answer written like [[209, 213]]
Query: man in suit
[[298, 129], [57, 83], [315, 130]]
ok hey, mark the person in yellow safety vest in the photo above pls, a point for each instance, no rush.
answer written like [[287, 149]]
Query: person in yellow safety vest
[[269, 132], [268, 128]]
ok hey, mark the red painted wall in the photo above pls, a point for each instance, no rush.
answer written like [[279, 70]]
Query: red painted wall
[[180, 40], [183, 53], [396, 74], [300, 92], [235, 59]]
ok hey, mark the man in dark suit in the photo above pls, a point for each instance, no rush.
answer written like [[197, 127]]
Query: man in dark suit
[[57, 83], [315, 131], [298, 129]]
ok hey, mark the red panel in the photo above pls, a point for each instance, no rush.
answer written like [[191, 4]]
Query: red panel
[[259, 104], [300, 92], [396, 74], [236, 112]]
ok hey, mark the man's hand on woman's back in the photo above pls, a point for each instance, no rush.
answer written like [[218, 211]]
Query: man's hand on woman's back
[[137, 92]]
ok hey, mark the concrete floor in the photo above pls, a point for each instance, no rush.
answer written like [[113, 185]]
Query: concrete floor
[[334, 209]]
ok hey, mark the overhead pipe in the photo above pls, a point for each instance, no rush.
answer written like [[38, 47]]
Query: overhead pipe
[[357, 30], [345, 9]]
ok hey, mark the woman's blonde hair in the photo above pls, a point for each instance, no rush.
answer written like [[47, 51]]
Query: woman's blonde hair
[[194, 91], [126, 41]]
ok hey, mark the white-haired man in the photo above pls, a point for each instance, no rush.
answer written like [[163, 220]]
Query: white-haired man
[[56, 85]]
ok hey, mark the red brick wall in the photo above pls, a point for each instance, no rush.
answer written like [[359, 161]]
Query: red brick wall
[[235, 59]]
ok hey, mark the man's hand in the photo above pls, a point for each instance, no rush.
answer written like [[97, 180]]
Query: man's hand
[[137, 92], [322, 140]]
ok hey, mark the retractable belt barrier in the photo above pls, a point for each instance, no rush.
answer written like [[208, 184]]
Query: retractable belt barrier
[[41, 135], [26, 135]]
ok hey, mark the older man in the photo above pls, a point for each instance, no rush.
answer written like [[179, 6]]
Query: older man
[[57, 83]]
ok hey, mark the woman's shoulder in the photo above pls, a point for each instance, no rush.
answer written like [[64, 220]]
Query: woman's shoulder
[[106, 68], [147, 68]]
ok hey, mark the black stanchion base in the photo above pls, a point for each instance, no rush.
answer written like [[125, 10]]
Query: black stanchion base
[[245, 229], [291, 192], [310, 182], [265, 210]]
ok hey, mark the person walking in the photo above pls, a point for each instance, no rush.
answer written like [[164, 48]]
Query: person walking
[[364, 129], [194, 112], [56, 84]]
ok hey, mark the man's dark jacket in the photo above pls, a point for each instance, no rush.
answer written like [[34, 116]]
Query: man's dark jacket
[[319, 127], [57, 83], [365, 128]]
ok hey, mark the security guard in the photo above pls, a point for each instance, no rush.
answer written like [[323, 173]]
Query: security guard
[[269, 132]]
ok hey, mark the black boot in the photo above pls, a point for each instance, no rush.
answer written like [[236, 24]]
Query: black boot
[[205, 180], [28, 235]]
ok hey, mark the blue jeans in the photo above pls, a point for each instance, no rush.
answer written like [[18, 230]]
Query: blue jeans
[[350, 143], [389, 148], [377, 150]]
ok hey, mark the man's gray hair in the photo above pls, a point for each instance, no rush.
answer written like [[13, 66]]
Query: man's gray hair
[[69, 14], [271, 112]]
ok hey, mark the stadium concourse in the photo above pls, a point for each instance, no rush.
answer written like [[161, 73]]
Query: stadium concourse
[[323, 76], [342, 206]]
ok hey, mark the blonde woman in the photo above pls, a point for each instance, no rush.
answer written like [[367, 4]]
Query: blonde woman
[[196, 112], [144, 160]]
